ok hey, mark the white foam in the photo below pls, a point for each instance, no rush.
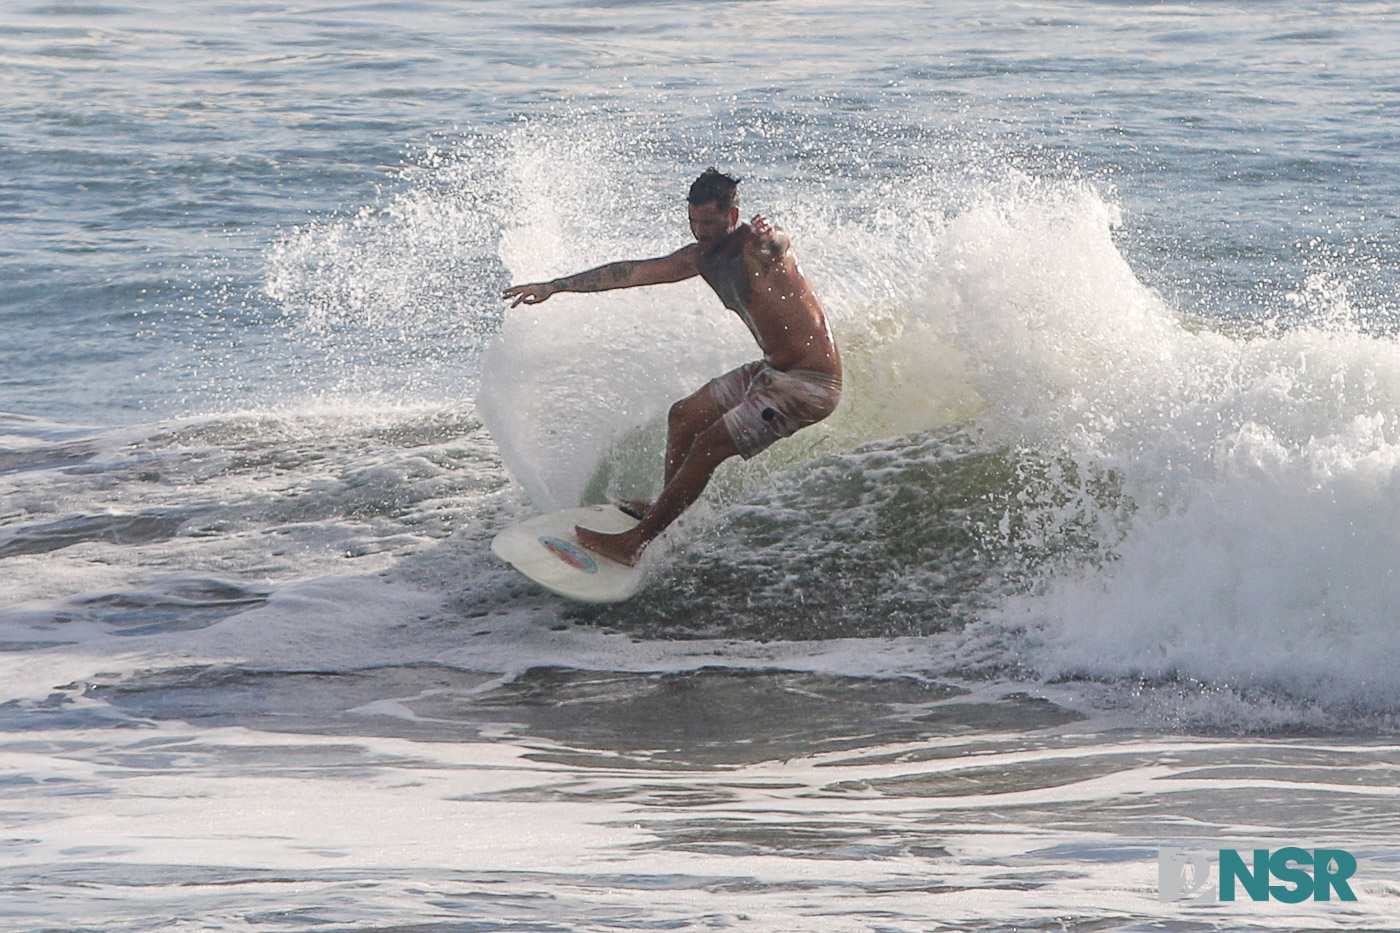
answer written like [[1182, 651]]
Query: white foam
[[1263, 470]]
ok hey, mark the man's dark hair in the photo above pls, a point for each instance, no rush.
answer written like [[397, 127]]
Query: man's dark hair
[[715, 187]]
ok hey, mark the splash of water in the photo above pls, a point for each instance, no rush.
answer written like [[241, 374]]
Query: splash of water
[[1245, 535]]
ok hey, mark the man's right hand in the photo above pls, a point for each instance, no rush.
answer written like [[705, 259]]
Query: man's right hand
[[531, 294]]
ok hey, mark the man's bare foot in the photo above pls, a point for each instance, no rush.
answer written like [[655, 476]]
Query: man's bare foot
[[637, 508], [624, 548]]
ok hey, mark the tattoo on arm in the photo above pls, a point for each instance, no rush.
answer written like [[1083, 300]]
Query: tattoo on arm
[[613, 275]]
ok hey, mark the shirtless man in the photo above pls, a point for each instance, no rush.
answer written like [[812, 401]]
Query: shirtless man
[[797, 383]]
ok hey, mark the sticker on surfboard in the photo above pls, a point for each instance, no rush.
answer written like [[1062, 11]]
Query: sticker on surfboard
[[572, 554], [545, 549]]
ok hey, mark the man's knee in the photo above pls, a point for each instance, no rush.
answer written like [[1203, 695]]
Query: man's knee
[[695, 412], [677, 415]]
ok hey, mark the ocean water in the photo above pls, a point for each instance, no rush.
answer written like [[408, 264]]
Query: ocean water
[[1098, 556]]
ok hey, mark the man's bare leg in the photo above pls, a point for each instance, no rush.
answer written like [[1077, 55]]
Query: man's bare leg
[[687, 420], [710, 449]]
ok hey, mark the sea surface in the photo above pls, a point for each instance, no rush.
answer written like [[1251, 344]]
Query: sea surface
[[1097, 558]]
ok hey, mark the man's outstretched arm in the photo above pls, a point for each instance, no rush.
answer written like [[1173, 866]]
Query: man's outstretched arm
[[630, 273]]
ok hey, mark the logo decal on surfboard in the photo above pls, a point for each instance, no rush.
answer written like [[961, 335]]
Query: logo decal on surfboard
[[570, 553]]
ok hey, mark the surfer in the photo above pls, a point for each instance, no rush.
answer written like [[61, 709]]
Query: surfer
[[753, 270]]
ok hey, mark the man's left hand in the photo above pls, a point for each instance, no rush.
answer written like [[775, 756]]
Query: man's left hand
[[772, 238]]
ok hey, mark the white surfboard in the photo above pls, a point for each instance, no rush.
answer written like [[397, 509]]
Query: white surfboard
[[546, 550]]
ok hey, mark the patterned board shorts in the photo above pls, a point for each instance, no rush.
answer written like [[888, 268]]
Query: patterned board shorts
[[762, 404]]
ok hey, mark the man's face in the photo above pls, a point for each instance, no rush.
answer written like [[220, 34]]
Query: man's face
[[709, 223]]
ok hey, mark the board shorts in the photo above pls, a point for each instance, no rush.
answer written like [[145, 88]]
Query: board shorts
[[762, 404]]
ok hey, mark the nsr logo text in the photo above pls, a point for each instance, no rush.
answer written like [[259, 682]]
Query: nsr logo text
[[1331, 869]]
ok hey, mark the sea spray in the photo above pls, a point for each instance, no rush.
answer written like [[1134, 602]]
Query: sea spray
[[1215, 495], [1263, 470]]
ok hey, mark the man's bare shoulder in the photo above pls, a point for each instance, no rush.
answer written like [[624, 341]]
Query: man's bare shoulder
[[682, 264], [690, 251], [687, 257]]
